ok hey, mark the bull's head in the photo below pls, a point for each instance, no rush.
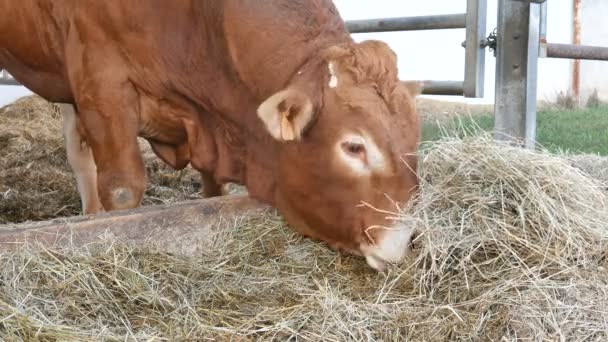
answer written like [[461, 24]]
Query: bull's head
[[348, 133]]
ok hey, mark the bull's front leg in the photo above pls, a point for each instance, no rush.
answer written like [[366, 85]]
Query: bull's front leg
[[211, 188], [108, 112]]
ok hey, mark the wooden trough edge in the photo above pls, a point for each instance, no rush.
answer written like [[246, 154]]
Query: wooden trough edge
[[184, 228]]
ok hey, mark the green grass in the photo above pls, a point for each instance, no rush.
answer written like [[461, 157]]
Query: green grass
[[574, 131]]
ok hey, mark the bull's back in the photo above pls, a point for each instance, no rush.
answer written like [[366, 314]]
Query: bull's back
[[44, 41], [32, 45], [200, 47], [269, 39]]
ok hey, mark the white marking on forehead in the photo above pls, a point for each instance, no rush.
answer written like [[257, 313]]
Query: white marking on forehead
[[333, 79], [375, 159]]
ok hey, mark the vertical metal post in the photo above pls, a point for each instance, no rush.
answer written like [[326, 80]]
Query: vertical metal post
[[576, 40], [474, 70], [543, 31], [516, 71]]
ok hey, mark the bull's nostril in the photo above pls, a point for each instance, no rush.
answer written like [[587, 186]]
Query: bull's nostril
[[413, 239]]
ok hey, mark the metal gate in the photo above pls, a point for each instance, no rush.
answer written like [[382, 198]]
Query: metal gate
[[6, 79], [521, 41], [474, 21]]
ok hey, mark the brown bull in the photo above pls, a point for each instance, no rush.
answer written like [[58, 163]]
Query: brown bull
[[271, 94]]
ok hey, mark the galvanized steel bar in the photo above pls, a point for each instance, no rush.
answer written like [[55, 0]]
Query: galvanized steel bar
[[9, 82], [570, 51], [516, 71], [6, 79], [576, 40], [442, 88], [542, 53], [432, 22], [475, 53]]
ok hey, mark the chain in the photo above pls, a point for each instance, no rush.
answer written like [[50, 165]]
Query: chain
[[490, 42]]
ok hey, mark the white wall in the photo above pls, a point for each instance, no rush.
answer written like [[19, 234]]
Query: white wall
[[9, 94], [438, 55], [594, 31]]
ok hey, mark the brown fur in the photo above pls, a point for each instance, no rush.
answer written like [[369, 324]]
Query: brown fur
[[189, 76]]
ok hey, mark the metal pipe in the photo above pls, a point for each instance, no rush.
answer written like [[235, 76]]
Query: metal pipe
[[533, 1], [570, 51], [475, 53], [9, 81], [442, 88], [542, 53], [6, 79], [432, 22]]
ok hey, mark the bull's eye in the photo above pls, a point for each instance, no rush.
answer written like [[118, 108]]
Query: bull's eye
[[359, 153], [354, 149]]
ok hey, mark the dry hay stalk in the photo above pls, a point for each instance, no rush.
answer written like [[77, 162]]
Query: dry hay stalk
[[594, 165], [511, 246], [513, 242], [34, 174]]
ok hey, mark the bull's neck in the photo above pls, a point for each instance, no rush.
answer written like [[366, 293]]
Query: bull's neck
[[311, 75]]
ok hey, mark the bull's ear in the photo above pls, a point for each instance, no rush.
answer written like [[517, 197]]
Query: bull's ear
[[414, 88], [286, 114]]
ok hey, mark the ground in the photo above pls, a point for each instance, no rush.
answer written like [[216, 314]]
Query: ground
[[511, 246], [575, 131]]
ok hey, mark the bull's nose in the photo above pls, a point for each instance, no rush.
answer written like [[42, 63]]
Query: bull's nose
[[392, 246], [376, 263]]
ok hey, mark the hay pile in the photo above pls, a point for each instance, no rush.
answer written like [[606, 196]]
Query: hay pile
[[595, 166], [34, 175], [511, 246], [36, 182]]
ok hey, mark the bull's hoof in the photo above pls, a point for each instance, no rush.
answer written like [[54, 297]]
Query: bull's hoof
[[92, 209]]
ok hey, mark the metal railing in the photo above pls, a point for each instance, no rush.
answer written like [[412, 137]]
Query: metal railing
[[473, 21], [571, 51], [7, 79], [431, 22]]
